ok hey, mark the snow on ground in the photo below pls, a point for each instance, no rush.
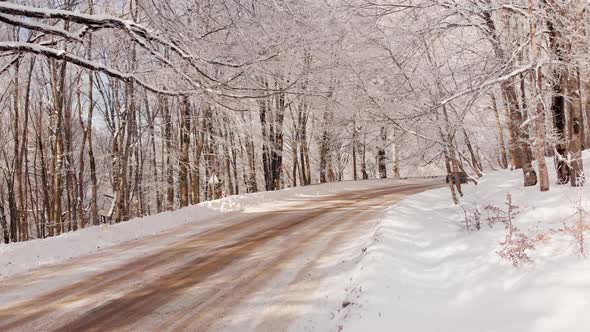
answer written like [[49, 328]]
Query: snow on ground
[[20, 257], [422, 272], [418, 270]]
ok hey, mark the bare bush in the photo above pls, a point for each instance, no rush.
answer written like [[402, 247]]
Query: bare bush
[[579, 227], [516, 244], [497, 215], [472, 219]]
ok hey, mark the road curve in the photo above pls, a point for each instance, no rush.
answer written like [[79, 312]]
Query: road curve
[[254, 272]]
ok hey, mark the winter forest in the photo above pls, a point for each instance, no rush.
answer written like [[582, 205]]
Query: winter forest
[[116, 109]]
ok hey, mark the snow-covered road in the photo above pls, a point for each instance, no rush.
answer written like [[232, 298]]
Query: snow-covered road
[[256, 270]]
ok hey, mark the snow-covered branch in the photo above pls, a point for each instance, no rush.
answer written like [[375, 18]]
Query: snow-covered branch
[[45, 28], [487, 84], [108, 21], [79, 61]]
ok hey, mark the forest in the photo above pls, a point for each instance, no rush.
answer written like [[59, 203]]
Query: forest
[[117, 109]]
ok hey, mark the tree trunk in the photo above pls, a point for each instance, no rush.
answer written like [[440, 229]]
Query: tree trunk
[[500, 129], [354, 148], [47, 204], [558, 106], [234, 161], [522, 154], [23, 158], [540, 139], [12, 208], [520, 144], [537, 86], [381, 157], [91, 158], [294, 155], [81, 157], [17, 166], [169, 152], [475, 164], [227, 158], [511, 135], [396, 162], [272, 114], [266, 159], [183, 162], [198, 137], [451, 154], [575, 123], [587, 106], [325, 149], [151, 116], [139, 198], [305, 168], [278, 140], [58, 157], [451, 184], [3, 223], [364, 158]]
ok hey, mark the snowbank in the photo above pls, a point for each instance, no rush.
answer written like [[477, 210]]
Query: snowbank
[[20, 257], [421, 272]]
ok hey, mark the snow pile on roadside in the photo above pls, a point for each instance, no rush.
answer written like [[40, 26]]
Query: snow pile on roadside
[[20, 257], [23, 256], [423, 273]]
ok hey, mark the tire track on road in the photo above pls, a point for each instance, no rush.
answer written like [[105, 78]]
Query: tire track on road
[[211, 258]]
